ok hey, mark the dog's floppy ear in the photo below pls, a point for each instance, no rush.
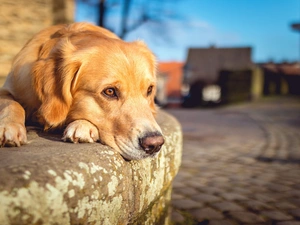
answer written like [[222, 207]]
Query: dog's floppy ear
[[53, 79]]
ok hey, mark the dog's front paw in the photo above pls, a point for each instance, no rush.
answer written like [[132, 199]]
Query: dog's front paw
[[81, 131], [12, 135]]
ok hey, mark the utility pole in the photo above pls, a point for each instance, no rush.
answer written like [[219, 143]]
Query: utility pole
[[296, 27]]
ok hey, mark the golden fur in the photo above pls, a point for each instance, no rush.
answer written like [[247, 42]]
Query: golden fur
[[86, 79]]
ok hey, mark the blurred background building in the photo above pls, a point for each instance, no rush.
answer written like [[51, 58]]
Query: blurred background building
[[211, 73], [172, 73]]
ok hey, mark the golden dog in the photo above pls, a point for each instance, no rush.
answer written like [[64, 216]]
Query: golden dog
[[86, 79]]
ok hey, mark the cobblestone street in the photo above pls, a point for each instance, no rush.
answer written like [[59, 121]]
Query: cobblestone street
[[240, 165]]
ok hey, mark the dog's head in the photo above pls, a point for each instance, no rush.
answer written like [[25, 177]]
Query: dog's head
[[111, 84]]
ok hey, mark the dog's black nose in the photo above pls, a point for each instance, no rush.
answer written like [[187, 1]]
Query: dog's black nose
[[152, 142]]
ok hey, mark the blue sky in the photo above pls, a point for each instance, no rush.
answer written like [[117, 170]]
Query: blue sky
[[262, 24]]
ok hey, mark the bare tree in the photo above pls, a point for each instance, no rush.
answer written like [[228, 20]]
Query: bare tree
[[136, 13], [102, 10]]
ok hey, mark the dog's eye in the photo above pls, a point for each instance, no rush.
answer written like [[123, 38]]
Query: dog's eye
[[110, 92], [149, 91]]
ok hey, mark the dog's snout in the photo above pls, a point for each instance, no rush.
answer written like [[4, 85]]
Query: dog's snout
[[151, 142]]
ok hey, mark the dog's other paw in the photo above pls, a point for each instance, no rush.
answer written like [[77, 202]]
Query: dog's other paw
[[12, 135], [81, 131]]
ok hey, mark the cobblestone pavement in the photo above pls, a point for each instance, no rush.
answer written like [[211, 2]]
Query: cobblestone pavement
[[240, 165]]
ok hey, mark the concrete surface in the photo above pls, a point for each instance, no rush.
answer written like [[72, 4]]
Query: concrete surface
[[241, 164], [52, 182]]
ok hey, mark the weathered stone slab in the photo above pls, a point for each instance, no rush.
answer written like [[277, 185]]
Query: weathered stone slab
[[52, 182]]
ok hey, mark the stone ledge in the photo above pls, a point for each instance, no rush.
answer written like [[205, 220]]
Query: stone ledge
[[52, 182]]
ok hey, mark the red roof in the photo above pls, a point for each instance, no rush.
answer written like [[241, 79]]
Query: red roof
[[173, 71]]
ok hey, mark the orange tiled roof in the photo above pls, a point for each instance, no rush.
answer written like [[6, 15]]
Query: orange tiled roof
[[173, 71]]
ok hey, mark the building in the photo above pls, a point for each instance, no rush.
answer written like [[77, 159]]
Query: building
[[217, 75], [171, 74], [281, 78], [20, 20]]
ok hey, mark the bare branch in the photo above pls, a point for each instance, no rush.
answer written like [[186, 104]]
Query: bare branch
[[135, 14]]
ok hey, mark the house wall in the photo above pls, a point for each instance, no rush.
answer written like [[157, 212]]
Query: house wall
[[257, 83], [235, 85], [21, 19], [173, 70], [292, 84], [281, 79]]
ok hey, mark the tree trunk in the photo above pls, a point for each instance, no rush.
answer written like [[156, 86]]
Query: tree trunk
[[102, 10], [125, 18]]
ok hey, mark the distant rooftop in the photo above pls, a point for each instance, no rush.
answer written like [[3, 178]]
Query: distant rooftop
[[208, 62]]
